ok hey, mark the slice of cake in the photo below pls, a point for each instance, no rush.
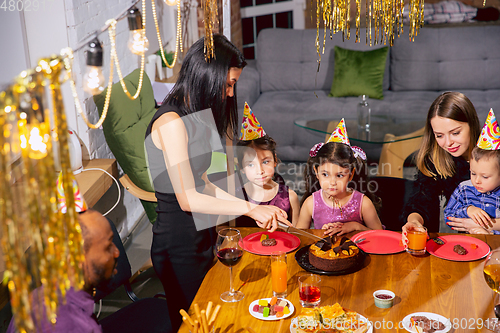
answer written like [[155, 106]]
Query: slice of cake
[[334, 255]]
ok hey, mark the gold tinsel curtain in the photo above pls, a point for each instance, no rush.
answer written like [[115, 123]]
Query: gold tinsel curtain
[[33, 144], [382, 20]]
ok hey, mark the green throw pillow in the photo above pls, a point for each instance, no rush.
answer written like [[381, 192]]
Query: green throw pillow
[[359, 73]]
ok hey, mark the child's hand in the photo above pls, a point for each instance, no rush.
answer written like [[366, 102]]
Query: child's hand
[[331, 225], [480, 217], [342, 228]]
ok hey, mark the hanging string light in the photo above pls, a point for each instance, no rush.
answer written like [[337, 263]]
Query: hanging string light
[[171, 2], [137, 41], [178, 37], [93, 80]]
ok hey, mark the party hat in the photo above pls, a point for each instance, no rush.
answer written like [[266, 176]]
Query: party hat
[[250, 127], [490, 134], [80, 204], [339, 134]]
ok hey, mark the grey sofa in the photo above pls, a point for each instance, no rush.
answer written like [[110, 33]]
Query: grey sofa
[[282, 84]]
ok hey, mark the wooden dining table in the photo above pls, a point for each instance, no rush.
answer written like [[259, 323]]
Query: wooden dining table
[[455, 290]]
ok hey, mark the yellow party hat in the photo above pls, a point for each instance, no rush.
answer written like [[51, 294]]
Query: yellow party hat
[[490, 134], [251, 129], [80, 204], [339, 134]]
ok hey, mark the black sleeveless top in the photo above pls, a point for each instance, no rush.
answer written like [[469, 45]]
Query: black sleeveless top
[[202, 140]]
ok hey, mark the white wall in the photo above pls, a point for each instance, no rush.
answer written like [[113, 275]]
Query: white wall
[[66, 23], [13, 55]]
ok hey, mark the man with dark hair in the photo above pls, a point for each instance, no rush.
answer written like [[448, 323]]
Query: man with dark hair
[[76, 313]]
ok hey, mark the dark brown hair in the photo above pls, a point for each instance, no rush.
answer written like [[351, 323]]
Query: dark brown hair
[[342, 155], [202, 85], [451, 105], [263, 143]]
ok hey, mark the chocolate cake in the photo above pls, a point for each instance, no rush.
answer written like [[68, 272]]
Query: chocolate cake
[[334, 255], [268, 242]]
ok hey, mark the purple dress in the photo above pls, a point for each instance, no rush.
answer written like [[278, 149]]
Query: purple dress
[[281, 200], [323, 213]]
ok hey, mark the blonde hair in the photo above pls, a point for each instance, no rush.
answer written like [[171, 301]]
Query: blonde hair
[[452, 105]]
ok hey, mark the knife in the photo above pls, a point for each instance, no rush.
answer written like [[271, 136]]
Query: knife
[[293, 230]]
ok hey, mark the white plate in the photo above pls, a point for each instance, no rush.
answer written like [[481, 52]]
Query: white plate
[[430, 315], [260, 316], [362, 318]]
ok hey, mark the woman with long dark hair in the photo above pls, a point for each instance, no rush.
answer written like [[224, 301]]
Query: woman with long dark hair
[[179, 144]]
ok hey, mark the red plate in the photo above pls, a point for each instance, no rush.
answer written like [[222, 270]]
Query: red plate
[[284, 242], [446, 251], [379, 241]]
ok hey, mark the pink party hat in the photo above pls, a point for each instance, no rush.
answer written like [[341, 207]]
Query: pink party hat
[[339, 134], [490, 134], [251, 129], [80, 204]]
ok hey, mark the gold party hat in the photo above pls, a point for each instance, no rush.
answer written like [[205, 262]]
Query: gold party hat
[[339, 134], [251, 129], [490, 134], [80, 204]]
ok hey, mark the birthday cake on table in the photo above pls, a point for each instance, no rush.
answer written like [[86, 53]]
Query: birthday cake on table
[[334, 254]]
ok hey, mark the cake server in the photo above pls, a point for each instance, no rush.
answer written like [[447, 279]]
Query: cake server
[[293, 230]]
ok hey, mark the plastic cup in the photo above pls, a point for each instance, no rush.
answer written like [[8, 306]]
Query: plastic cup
[[416, 242], [309, 290], [279, 276]]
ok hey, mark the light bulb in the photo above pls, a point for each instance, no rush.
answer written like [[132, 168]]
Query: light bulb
[[137, 42], [171, 2], [93, 79], [37, 145]]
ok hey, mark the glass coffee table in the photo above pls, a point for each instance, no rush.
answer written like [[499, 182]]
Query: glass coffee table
[[392, 137]]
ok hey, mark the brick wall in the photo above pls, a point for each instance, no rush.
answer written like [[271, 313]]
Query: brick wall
[[83, 17]]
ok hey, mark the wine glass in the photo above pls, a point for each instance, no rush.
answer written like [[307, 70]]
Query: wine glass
[[491, 272], [229, 252]]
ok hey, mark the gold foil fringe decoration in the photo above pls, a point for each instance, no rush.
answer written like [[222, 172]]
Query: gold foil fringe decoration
[[384, 20], [35, 136], [210, 19]]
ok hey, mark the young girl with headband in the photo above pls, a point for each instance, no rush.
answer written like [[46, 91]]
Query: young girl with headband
[[337, 197], [257, 158]]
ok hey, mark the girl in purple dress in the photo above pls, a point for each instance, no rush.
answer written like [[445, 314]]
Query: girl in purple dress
[[337, 196], [256, 152], [257, 159]]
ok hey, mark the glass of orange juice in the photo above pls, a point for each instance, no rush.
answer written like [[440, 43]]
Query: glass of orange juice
[[417, 240], [278, 273]]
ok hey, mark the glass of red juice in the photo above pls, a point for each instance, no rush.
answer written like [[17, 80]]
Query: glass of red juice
[[309, 290], [229, 251]]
